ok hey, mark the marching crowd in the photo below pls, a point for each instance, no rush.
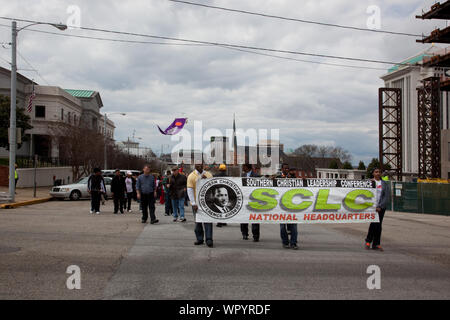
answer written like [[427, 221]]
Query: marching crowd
[[175, 189]]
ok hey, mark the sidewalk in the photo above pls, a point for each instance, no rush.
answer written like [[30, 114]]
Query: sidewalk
[[24, 196]]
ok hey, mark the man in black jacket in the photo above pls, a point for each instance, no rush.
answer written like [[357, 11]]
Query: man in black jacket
[[96, 187], [118, 189], [247, 173], [288, 231]]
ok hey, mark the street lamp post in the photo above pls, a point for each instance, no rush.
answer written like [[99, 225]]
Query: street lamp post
[[12, 125], [106, 138]]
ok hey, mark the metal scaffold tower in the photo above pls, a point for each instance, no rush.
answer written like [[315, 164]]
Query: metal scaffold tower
[[429, 128], [390, 130]]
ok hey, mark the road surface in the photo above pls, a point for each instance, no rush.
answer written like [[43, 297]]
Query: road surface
[[120, 258]]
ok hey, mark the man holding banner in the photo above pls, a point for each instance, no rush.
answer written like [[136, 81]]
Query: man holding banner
[[202, 230], [286, 201], [248, 173], [290, 229]]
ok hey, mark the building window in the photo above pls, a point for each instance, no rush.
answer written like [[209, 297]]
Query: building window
[[39, 112], [62, 114]]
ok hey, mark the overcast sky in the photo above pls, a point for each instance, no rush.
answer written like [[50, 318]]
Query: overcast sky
[[153, 84]]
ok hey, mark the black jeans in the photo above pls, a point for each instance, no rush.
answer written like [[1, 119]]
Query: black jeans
[[167, 203], [148, 202], [118, 202], [129, 198], [255, 230], [95, 200], [374, 234], [201, 234], [284, 229]]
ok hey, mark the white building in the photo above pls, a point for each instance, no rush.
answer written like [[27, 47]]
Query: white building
[[351, 174], [408, 78], [52, 105]]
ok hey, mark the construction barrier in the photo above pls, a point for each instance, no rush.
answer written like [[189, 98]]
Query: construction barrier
[[431, 198]]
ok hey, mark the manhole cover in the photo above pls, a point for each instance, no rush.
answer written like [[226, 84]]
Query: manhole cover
[[8, 249]]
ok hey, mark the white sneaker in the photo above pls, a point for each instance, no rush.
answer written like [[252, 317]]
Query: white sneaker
[[129, 211], [98, 212], [91, 211]]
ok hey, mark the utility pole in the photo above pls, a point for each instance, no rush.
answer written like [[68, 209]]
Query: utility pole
[[12, 124], [106, 142]]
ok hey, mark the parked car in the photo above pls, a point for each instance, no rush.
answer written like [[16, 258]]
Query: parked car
[[78, 190]]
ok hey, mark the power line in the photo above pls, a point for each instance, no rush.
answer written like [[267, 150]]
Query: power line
[[225, 47], [104, 39], [296, 20], [224, 44], [307, 61], [5, 60], [33, 68]]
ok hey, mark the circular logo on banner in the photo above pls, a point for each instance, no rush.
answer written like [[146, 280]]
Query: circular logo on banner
[[220, 198]]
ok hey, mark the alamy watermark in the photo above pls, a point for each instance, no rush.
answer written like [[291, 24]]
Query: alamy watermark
[[213, 146], [74, 19], [374, 280], [374, 20], [74, 280]]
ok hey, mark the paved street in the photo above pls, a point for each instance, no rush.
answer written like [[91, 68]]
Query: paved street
[[121, 259]]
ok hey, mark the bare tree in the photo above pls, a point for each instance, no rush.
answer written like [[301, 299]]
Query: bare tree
[[308, 150], [311, 150], [81, 147]]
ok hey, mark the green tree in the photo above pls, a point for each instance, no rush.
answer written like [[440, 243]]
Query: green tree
[[373, 165], [347, 165], [22, 121], [361, 166], [333, 164]]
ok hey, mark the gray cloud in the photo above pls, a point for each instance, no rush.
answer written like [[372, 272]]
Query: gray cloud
[[309, 103]]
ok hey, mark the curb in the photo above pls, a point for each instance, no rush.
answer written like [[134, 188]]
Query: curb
[[24, 203]]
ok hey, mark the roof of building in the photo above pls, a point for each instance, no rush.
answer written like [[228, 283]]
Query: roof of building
[[437, 11], [412, 60], [417, 59], [20, 76], [438, 36], [80, 93]]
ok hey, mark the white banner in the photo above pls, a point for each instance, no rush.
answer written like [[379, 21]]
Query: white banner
[[259, 200]]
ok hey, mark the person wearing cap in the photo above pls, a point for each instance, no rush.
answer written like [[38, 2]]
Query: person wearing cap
[[222, 173], [130, 185], [177, 188]]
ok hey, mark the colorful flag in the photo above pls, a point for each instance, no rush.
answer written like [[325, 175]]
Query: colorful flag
[[30, 102], [176, 126]]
